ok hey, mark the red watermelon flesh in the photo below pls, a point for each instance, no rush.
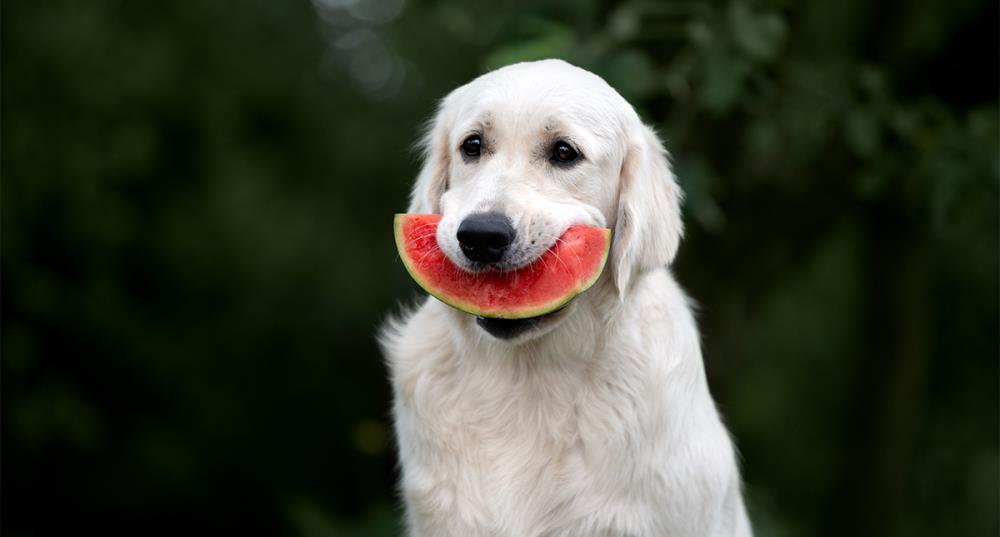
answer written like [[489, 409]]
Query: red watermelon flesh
[[567, 269]]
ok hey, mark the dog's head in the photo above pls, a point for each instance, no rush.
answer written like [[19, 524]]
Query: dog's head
[[518, 155]]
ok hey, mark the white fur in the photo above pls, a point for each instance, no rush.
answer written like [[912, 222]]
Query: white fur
[[599, 423]]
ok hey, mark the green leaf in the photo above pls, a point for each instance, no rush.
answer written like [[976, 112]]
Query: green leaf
[[758, 35], [862, 132], [550, 41], [632, 73], [724, 78]]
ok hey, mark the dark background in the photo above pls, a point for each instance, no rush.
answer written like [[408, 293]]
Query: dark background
[[197, 252]]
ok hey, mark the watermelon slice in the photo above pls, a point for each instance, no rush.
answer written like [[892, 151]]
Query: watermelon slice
[[567, 269]]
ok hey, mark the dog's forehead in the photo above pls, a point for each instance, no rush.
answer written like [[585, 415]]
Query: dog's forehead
[[547, 84], [540, 80], [544, 96]]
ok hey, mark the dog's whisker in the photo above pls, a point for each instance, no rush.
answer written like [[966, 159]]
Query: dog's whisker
[[576, 254], [425, 235], [430, 251], [558, 256], [422, 236]]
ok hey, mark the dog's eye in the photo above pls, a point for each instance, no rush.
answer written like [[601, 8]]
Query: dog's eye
[[563, 153], [472, 145]]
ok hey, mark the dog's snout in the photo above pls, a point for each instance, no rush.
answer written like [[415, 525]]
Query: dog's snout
[[485, 237]]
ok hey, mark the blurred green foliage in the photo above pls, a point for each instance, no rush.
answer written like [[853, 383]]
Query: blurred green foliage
[[196, 213]]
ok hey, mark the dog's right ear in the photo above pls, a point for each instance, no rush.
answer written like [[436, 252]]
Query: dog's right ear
[[432, 181]]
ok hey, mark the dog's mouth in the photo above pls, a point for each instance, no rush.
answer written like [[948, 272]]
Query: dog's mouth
[[511, 328]]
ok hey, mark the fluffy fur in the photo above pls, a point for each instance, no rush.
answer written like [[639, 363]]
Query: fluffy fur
[[598, 422]]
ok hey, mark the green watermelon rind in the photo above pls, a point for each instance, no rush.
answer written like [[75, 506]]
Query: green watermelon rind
[[474, 309]]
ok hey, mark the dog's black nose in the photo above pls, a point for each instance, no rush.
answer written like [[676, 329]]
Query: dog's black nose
[[485, 237]]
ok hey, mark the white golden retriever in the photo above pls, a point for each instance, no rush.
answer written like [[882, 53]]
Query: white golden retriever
[[595, 420]]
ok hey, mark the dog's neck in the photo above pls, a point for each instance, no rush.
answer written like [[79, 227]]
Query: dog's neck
[[575, 339]]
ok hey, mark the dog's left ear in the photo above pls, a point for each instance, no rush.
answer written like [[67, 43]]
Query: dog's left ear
[[648, 227]]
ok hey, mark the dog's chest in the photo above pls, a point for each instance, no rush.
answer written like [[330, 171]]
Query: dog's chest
[[516, 454]]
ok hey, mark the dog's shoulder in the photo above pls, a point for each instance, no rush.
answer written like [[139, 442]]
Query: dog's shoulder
[[416, 336], [657, 306], [393, 329]]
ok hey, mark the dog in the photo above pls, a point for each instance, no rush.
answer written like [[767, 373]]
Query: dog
[[596, 419]]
